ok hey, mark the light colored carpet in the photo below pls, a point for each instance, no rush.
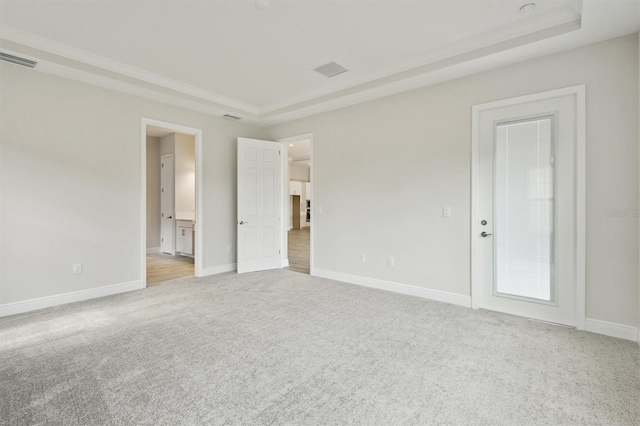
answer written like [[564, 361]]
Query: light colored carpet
[[285, 348]]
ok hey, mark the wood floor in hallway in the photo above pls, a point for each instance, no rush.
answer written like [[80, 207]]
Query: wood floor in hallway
[[164, 267], [300, 250]]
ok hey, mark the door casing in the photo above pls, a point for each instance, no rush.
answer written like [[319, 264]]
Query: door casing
[[580, 207], [197, 133]]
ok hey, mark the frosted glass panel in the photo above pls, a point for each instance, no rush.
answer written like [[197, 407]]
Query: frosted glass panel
[[523, 216]]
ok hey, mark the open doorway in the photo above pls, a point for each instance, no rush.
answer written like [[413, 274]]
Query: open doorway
[[170, 182], [299, 203]]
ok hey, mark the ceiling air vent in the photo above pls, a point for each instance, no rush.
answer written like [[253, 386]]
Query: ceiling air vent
[[331, 69], [231, 117], [17, 60]]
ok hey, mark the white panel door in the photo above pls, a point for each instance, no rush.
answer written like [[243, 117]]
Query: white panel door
[[526, 187], [259, 205], [167, 203]]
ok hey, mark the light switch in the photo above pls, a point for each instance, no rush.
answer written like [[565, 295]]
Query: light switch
[[446, 212]]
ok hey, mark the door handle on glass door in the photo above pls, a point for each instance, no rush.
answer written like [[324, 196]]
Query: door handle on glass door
[[484, 234], [242, 222]]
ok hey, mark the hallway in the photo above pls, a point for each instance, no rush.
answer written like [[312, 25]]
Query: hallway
[[300, 250]]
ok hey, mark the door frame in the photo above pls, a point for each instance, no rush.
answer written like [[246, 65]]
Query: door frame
[[285, 196], [197, 133], [579, 92]]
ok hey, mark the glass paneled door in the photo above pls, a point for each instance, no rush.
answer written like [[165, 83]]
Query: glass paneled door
[[525, 209]]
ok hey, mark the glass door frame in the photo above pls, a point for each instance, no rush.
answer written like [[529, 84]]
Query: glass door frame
[[579, 92], [553, 117]]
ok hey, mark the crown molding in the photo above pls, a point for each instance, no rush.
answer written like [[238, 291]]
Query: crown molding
[[69, 52], [517, 45], [543, 22]]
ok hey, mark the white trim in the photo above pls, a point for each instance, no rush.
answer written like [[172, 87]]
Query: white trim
[[502, 40], [220, 269], [197, 133], [153, 250], [285, 263], [612, 329], [580, 272], [411, 290], [507, 46], [62, 299], [66, 51]]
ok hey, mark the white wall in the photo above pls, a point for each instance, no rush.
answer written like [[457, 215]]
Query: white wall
[[185, 172], [153, 192], [383, 171], [70, 183], [299, 173]]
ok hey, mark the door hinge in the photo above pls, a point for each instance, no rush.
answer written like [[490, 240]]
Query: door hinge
[[162, 165], [553, 160], [162, 189], [278, 251], [162, 239], [161, 214]]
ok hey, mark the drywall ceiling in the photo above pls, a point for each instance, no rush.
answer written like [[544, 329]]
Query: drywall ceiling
[[158, 132], [230, 57], [300, 152]]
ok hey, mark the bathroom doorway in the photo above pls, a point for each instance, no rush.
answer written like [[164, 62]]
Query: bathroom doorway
[[171, 238]]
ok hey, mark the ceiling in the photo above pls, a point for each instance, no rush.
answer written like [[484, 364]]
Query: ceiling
[[158, 132], [228, 56], [299, 152]]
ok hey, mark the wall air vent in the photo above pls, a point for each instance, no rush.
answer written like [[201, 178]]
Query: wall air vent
[[331, 69], [231, 117], [17, 60]]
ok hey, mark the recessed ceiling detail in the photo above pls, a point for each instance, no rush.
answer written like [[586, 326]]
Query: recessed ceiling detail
[[331, 69], [238, 60]]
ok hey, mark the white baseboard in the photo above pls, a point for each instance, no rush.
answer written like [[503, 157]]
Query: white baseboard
[[61, 299], [213, 270], [612, 329], [153, 250], [425, 293], [285, 263]]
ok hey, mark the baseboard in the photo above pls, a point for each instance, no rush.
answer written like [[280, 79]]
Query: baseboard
[[61, 299], [153, 250], [213, 270], [425, 293], [612, 329], [285, 263]]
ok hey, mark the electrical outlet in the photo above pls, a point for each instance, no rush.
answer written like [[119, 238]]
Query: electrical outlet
[[77, 268], [363, 258], [390, 261]]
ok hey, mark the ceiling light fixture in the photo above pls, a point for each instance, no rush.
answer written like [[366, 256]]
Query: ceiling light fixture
[[527, 8], [262, 4]]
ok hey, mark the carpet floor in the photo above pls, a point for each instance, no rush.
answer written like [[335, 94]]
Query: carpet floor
[[282, 348]]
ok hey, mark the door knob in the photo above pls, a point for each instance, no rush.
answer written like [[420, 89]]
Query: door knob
[[170, 217], [484, 234], [242, 222]]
